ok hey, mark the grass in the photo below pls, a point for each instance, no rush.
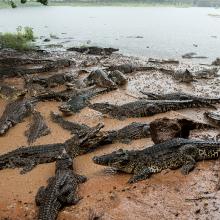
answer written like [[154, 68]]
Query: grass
[[21, 40]]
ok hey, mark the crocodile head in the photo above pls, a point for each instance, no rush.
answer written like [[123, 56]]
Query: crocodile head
[[121, 160], [64, 161], [104, 107], [79, 145]]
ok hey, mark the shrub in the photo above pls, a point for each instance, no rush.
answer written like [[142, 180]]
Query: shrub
[[21, 40]]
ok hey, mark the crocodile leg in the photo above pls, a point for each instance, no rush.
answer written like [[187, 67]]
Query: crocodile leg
[[40, 195], [188, 153], [80, 178], [27, 165], [142, 174]]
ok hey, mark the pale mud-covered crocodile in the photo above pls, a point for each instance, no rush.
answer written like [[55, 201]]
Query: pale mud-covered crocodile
[[99, 78], [29, 157], [14, 113], [37, 128], [181, 96], [60, 191], [172, 154], [10, 92], [142, 108], [92, 50], [130, 132]]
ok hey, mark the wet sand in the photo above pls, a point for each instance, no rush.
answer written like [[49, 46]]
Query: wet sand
[[168, 195]]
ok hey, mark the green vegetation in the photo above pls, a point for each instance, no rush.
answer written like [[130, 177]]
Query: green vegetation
[[21, 40]]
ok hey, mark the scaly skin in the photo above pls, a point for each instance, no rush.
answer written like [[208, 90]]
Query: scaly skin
[[100, 78], [142, 108], [181, 96], [6, 72], [213, 117], [130, 68], [54, 80], [29, 157], [81, 100], [14, 113], [172, 154], [60, 191], [9, 92], [73, 127], [125, 135], [37, 129]]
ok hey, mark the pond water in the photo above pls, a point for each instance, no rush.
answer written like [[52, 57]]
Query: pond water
[[140, 31]]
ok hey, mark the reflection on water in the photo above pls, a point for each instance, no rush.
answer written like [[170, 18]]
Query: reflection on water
[[151, 32]]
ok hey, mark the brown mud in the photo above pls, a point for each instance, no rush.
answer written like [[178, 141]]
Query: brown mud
[[168, 195]]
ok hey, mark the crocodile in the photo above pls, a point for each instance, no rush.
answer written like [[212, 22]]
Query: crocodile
[[29, 157], [73, 127], [10, 92], [61, 189], [6, 72], [142, 108], [99, 78], [81, 100], [19, 61], [172, 154], [133, 131], [213, 117], [130, 68], [117, 77], [14, 113], [130, 132], [37, 129], [93, 50], [183, 75], [181, 96], [54, 80]]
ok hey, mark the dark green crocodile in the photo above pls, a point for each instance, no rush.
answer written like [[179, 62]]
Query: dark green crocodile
[[130, 132], [61, 190], [142, 108], [37, 128], [29, 157], [172, 154], [14, 113], [181, 96]]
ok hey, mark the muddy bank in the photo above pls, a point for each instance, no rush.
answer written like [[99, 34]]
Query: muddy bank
[[168, 195]]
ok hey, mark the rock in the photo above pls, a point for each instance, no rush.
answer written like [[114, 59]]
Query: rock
[[193, 56], [93, 50], [164, 129], [47, 40]]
